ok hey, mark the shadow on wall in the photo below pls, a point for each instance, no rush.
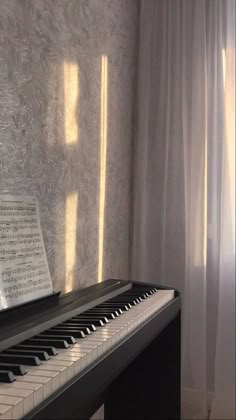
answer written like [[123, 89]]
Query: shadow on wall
[[59, 64]]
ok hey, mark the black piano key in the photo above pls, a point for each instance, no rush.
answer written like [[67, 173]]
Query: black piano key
[[104, 312], [21, 359], [69, 327], [107, 315], [7, 376], [142, 295], [132, 300], [46, 334], [124, 300], [51, 351], [150, 291], [16, 369], [96, 322], [145, 293], [75, 332], [124, 306], [115, 307], [130, 294], [143, 290], [137, 298], [136, 293], [147, 289], [65, 332], [119, 310], [94, 317], [85, 324], [57, 343], [42, 355]]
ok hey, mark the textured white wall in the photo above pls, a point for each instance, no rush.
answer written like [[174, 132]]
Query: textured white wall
[[58, 100]]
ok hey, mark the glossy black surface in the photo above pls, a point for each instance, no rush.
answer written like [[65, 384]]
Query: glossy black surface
[[14, 368], [6, 376], [50, 350], [110, 380], [20, 359], [42, 355]]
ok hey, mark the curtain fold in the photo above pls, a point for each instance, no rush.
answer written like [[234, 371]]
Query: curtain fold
[[184, 184]]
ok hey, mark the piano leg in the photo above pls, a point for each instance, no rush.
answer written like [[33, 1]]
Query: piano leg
[[150, 387]]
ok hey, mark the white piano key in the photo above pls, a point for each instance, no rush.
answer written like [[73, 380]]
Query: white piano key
[[44, 381], [98, 345], [79, 362], [70, 366], [17, 405], [5, 412], [105, 340], [96, 337], [54, 376], [48, 366], [67, 356], [90, 349], [114, 333], [84, 345], [86, 351], [27, 395], [109, 337], [36, 388], [85, 354]]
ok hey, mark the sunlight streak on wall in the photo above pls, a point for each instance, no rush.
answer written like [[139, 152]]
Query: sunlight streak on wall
[[71, 94], [229, 144], [3, 302], [205, 230], [224, 65], [70, 239], [103, 158]]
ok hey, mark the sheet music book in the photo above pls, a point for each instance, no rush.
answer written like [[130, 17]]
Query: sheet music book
[[24, 272]]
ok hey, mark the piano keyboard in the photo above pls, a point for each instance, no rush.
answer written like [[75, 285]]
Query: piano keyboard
[[33, 370]]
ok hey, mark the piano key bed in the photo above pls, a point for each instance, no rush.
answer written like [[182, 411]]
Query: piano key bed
[[36, 371]]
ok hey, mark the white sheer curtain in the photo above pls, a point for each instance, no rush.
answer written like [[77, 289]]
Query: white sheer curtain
[[184, 185]]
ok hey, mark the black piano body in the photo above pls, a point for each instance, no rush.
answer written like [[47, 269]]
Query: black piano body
[[138, 379]]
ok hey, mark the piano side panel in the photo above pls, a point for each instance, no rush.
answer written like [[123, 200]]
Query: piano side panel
[[150, 386]]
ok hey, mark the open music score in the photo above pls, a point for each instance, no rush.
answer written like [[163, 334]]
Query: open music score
[[24, 272]]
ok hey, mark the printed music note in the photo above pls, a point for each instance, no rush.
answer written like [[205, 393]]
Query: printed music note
[[24, 272]]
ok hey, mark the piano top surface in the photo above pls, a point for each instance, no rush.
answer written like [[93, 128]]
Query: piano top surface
[[19, 323], [16, 321]]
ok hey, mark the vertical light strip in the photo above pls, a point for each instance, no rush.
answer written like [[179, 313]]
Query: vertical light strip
[[229, 145], [205, 230], [71, 93], [103, 159], [70, 239], [205, 208], [224, 66]]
